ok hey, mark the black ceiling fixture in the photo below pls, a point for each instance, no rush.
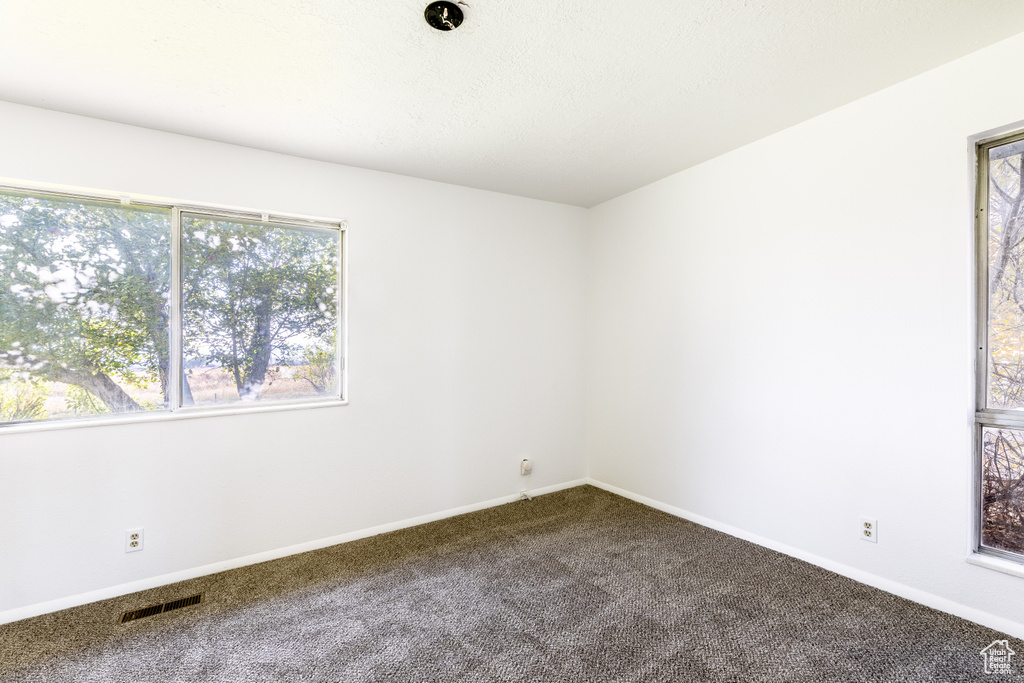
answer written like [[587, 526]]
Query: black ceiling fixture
[[444, 16]]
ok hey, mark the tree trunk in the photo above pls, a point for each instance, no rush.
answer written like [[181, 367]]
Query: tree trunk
[[102, 387], [256, 373], [186, 391]]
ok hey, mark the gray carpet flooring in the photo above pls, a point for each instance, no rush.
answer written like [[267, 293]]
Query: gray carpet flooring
[[579, 585]]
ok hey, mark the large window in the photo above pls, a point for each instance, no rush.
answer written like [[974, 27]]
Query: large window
[[1000, 394], [114, 307]]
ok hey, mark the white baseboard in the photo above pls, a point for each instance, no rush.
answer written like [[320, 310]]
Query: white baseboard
[[37, 609], [1007, 626]]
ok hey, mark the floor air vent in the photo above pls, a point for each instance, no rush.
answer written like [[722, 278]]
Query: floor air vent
[[159, 609]]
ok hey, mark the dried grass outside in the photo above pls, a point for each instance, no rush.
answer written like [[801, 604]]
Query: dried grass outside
[[210, 386]]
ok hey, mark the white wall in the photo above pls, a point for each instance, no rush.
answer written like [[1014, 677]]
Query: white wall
[[782, 337], [466, 337], [780, 341]]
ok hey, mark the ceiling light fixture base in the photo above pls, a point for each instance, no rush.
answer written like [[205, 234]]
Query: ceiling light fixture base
[[444, 16]]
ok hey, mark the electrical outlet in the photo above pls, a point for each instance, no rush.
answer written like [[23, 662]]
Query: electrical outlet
[[526, 466], [134, 539], [869, 530]]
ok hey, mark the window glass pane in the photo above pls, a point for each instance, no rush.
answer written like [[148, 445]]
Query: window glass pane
[[260, 311], [1006, 278], [1002, 465], [84, 290]]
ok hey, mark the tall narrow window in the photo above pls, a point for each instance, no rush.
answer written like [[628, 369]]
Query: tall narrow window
[[1000, 395], [90, 323]]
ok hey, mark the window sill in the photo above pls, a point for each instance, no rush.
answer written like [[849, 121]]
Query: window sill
[[180, 414], [1000, 565]]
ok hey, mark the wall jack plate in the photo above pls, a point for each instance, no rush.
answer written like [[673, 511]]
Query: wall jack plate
[[134, 540], [869, 530]]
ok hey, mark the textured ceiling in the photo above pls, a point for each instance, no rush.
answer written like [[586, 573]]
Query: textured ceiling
[[574, 101]]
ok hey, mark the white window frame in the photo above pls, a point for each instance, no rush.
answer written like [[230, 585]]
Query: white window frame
[[177, 208], [985, 417]]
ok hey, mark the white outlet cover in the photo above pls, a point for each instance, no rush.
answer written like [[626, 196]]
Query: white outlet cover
[[869, 529], [136, 536]]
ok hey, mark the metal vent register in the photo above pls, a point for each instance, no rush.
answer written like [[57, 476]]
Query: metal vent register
[[153, 610]]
